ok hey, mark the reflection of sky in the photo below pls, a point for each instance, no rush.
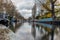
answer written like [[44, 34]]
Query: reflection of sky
[[24, 7], [25, 27], [24, 32]]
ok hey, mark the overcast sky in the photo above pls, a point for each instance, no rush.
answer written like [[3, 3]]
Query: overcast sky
[[24, 7]]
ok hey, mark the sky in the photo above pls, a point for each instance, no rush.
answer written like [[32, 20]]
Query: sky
[[24, 7]]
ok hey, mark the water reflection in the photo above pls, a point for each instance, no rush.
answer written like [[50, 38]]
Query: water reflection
[[24, 32], [48, 30], [43, 31]]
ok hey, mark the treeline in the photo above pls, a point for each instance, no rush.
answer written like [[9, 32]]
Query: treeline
[[9, 8], [47, 9]]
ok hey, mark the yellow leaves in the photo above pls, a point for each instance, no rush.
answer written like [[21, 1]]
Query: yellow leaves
[[47, 29], [48, 15]]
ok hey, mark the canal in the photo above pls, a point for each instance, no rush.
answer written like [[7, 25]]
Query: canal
[[24, 32]]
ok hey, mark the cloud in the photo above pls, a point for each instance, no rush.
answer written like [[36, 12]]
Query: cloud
[[26, 13], [25, 10], [24, 7], [23, 3]]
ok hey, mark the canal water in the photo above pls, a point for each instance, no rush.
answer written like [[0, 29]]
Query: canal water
[[24, 32]]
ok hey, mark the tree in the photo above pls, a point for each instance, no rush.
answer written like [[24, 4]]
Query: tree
[[48, 8], [10, 9], [50, 5]]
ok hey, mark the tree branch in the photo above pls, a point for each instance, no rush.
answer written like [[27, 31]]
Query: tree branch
[[57, 11], [54, 1], [45, 6]]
